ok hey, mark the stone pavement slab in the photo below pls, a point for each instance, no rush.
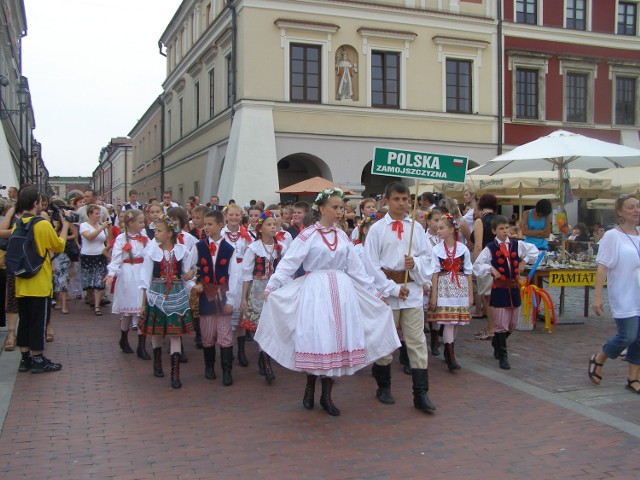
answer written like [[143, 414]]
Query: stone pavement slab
[[105, 416]]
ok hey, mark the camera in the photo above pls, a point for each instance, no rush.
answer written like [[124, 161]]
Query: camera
[[64, 211], [3, 187]]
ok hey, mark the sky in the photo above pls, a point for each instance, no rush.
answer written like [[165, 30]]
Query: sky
[[94, 69]]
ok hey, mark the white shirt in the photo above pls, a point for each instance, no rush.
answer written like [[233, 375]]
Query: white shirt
[[240, 245], [286, 238], [95, 246], [118, 255], [154, 253], [234, 294], [383, 249], [621, 256], [527, 252], [257, 249], [439, 252]]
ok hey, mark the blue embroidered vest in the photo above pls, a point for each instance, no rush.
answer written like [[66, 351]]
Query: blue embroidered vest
[[505, 292], [206, 272]]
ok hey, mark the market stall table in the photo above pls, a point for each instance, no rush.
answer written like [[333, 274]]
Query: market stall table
[[566, 277]]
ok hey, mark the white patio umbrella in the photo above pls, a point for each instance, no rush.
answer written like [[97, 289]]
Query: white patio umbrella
[[623, 180], [559, 150]]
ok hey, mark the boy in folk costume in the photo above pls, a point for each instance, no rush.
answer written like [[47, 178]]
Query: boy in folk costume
[[254, 216], [218, 273], [387, 261], [501, 259]]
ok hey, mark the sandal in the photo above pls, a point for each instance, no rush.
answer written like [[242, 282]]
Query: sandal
[[478, 317], [485, 336], [593, 376], [480, 332], [630, 388], [98, 312]]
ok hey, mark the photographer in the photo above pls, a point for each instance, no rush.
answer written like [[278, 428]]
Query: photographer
[[34, 293], [93, 264], [62, 261]]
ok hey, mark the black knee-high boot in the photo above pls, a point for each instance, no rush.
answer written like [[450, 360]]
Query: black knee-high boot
[[157, 362], [209, 362], [175, 370], [502, 344], [124, 342], [382, 374], [404, 359], [421, 400], [183, 354], [141, 351], [226, 356], [242, 357], [309, 392], [434, 338], [325, 398], [450, 357], [198, 336], [269, 376]]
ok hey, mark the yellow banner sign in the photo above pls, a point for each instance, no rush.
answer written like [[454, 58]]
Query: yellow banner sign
[[572, 278]]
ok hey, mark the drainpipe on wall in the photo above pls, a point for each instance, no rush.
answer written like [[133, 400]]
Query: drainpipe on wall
[[500, 79], [234, 31], [161, 103]]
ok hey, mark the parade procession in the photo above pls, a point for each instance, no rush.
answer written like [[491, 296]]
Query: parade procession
[[319, 239]]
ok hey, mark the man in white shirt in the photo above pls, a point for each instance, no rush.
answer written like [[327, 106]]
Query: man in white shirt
[[387, 261], [90, 199], [167, 203]]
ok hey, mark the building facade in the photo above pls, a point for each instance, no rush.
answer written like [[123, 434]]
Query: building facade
[[572, 64], [260, 95], [111, 180], [147, 172], [68, 187], [20, 162]]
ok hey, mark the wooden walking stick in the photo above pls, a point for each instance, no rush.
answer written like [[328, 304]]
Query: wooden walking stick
[[413, 224]]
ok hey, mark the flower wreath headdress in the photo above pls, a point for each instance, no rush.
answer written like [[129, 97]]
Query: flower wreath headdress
[[170, 223], [452, 220], [326, 193], [264, 215]]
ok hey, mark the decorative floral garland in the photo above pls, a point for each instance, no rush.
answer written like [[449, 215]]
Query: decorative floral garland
[[326, 193], [264, 215], [170, 223]]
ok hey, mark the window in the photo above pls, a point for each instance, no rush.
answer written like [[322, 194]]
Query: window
[[459, 86], [169, 127], [576, 97], [208, 14], [196, 94], [180, 117], [527, 11], [229, 80], [627, 18], [625, 101], [211, 93], [385, 79], [526, 93], [576, 14], [305, 73]]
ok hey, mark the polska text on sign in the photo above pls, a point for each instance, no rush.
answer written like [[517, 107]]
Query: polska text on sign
[[405, 163]]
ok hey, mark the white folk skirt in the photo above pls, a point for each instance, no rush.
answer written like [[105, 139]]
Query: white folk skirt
[[326, 324]]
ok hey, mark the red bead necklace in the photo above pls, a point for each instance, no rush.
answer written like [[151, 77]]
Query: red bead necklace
[[234, 237], [331, 245]]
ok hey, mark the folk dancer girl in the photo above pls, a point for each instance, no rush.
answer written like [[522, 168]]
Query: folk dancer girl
[[328, 322], [452, 290], [126, 264], [259, 263], [165, 300], [238, 236]]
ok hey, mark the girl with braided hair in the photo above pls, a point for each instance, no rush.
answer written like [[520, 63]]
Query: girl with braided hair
[[126, 265], [165, 299], [452, 290]]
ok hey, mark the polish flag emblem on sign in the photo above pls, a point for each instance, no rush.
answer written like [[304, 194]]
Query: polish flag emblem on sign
[[458, 162]]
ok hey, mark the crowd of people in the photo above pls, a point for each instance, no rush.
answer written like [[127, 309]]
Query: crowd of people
[[325, 288]]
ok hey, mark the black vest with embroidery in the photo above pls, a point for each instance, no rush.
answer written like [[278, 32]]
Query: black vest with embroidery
[[207, 275], [502, 297]]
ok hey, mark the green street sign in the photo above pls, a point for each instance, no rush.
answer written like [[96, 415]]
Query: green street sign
[[420, 165]]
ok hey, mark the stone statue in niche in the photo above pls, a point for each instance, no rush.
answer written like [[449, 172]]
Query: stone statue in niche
[[346, 75]]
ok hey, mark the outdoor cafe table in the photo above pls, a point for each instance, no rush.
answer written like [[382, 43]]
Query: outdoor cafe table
[[566, 277]]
